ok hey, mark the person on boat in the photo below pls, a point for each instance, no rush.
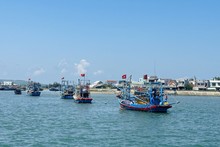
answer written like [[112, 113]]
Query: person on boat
[[155, 99], [152, 101], [165, 102], [154, 92], [85, 92], [81, 91], [166, 97]]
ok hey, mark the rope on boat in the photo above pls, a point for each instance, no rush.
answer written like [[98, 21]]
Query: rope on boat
[[131, 95]]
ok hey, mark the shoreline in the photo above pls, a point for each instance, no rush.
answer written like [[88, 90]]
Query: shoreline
[[169, 92], [193, 93], [103, 91]]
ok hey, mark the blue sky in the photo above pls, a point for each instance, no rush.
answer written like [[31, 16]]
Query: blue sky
[[48, 39]]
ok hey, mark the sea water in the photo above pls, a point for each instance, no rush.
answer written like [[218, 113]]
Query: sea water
[[49, 120]]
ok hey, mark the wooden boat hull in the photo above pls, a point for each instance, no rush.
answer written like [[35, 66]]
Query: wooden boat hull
[[83, 100], [161, 108], [128, 105]]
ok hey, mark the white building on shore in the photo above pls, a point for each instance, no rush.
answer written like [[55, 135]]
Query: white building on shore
[[214, 84], [8, 83]]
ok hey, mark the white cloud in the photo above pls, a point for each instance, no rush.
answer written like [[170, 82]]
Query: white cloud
[[81, 67], [62, 65], [38, 72], [98, 72], [63, 71]]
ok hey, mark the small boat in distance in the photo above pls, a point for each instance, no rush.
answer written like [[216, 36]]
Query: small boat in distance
[[17, 91], [82, 94], [33, 88], [67, 90]]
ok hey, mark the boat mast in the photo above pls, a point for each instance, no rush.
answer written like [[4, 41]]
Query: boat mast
[[129, 86], [84, 80], [161, 93]]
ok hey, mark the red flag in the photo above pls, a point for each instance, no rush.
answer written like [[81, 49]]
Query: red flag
[[83, 75], [124, 76], [145, 77]]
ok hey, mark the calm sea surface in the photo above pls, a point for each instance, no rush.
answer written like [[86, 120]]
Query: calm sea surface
[[50, 121]]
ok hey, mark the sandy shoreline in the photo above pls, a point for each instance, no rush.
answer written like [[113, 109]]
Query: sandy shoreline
[[103, 91], [194, 93], [169, 92]]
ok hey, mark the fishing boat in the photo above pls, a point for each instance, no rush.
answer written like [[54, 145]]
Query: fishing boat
[[158, 98], [67, 90], [17, 91], [33, 88], [154, 102], [82, 94]]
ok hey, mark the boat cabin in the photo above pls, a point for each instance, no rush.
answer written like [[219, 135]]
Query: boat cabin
[[83, 89]]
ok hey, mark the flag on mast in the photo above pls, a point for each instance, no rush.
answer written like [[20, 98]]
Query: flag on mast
[[145, 77], [124, 76], [82, 75]]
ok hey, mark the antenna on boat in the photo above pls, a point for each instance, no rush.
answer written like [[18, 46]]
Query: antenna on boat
[[129, 86], [155, 69], [84, 78]]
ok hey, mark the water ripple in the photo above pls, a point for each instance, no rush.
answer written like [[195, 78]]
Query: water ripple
[[51, 121]]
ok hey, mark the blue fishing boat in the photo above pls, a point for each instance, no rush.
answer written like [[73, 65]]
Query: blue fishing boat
[[155, 101], [33, 88], [158, 98], [82, 94], [67, 90]]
